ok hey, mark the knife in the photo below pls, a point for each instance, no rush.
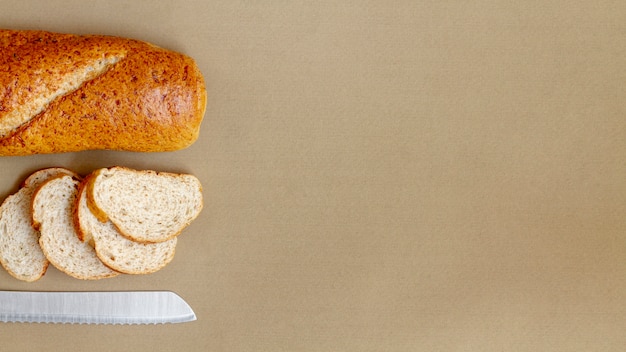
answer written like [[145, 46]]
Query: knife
[[122, 307]]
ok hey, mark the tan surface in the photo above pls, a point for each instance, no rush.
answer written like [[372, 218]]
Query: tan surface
[[379, 176]]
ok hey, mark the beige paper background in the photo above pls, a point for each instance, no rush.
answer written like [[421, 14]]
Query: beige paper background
[[379, 176]]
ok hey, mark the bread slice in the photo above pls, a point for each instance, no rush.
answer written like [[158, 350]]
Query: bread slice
[[145, 206], [115, 250], [20, 253], [52, 211]]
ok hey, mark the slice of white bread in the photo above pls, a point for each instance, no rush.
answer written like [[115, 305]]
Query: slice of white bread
[[20, 253], [52, 211], [145, 206], [115, 250]]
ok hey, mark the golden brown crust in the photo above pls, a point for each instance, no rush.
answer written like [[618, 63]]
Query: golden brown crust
[[82, 187], [91, 203], [150, 100]]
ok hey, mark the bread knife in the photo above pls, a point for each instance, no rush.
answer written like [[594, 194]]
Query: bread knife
[[121, 307]]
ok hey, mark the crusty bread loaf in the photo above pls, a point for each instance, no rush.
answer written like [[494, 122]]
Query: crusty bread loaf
[[147, 206], [20, 253], [65, 93], [115, 250], [52, 211]]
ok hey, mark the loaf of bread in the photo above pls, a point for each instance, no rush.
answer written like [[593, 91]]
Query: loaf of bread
[[66, 93]]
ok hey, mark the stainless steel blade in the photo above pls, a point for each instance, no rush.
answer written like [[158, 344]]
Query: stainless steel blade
[[132, 307]]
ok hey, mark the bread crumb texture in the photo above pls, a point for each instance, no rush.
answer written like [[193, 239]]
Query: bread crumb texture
[[52, 209], [49, 220], [146, 206], [20, 253]]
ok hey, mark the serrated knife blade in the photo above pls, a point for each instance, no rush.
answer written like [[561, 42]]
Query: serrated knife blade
[[121, 307]]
